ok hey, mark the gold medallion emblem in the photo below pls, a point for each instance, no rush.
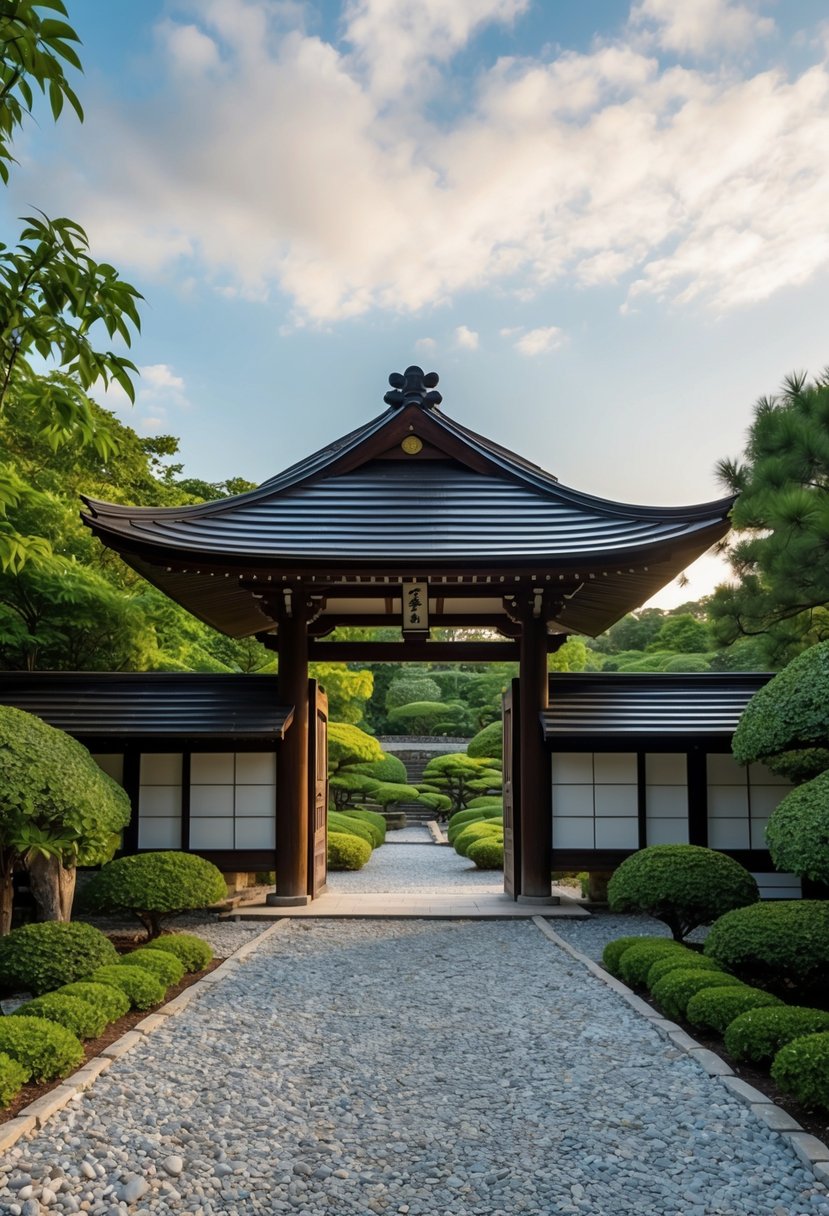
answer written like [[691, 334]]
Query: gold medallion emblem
[[412, 445]]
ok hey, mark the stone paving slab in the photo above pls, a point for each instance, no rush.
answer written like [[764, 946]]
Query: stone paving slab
[[441, 905]]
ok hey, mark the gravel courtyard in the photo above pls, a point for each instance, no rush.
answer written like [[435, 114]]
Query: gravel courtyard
[[424, 1068]]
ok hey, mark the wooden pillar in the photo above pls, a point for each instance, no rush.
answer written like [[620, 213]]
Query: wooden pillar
[[292, 811], [536, 837]]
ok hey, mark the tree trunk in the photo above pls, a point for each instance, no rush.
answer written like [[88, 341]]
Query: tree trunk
[[53, 887], [6, 894]]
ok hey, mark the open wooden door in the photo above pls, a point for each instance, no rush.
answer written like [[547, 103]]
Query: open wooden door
[[512, 793], [318, 793]]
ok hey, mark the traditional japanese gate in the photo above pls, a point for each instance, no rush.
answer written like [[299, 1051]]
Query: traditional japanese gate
[[413, 520]]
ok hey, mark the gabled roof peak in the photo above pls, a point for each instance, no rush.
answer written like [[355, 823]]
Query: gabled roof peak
[[413, 388]]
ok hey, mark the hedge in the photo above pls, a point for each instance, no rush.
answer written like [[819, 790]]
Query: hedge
[[164, 966], [783, 945], [44, 1049], [13, 1076], [673, 992], [716, 1008], [192, 951], [84, 1020], [142, 987], [802, 1069], [758, 1034], [347, 852], [614, 950], [42, 957], [487, 828], [112, 1002], [488, 854], [688, 960], [798, 831], [637, 961]]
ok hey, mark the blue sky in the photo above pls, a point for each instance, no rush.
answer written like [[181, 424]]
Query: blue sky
[[603, 224]]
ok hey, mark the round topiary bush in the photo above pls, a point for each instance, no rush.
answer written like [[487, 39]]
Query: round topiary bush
[[487, 742], [486, 829], [347, 852], [673, 992], [798, 831], [758, 1034], [373, 818], [488, 854], [716, 1008], [340, 822], [142, 987], [112, 1002], [683, 885], [13, 1076], [44, 1049], [84, 1020], [614, 950], [378, 835], [637, 961], [688, 961], [41, 957], [155, 886], [783, 945], [802, 1069], [165, 967], [193, 952]]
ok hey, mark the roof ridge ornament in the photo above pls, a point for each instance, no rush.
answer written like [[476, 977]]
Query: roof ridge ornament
[[411, 387]]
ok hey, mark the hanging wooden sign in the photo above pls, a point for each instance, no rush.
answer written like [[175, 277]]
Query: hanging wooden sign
[[415, 607]]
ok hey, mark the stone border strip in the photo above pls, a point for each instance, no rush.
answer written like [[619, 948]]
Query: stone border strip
[[811, 1151], [37, 1113], [436, 832]]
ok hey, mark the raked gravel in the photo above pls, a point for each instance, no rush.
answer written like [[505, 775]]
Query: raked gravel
[[427, 1068], [417, 868], [591, 936]]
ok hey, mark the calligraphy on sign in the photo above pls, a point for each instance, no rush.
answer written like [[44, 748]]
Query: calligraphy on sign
[[416, 608]]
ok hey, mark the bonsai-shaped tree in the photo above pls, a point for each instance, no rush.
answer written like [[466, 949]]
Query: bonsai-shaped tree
[[58, 809], [459, 777], [155, 886], [348, 745], [683, 885], [487, 742], [798, 832]]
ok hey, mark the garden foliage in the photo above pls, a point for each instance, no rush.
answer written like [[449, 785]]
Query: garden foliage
[[716, 1008], [41, 957], [163, 965], [84, 1020], [798, 831], [142, 987], [346, 851], [637, 960], [44, 1049], [13, 1076], [802, 1069], [155, 887], [673, 992], [487, 853], [758, 1034], [112, 1002], [782, 945], [683, 885], [193, 952]]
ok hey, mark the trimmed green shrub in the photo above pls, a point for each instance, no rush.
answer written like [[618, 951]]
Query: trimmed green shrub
[[637, 961], [387, 768], [142, 987], [348, 745], [688, 960], [783, 945], [41, 957], [488, 854], [487, 742], [477, 831], [338, 821], [802, 1069], [44, 1049], [614, 950], [75, 1014], [165, 967], [377, 836], [798, 831], [758, 1034], [112, 1002], [347, 852], [372, 818], [485, 800], [716, 1008], [439, 803], [156, 886], [192, 951], [13, 1076], [784, 724], [673, 992], [683, 885]]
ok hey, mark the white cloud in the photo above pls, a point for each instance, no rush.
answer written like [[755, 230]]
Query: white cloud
[[280, 166], [426, 345], [540, 341], [157, 377], [466, 338], [698, 26]]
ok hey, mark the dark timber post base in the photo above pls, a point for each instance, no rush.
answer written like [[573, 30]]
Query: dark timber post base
[[536, 840], [292, 766]]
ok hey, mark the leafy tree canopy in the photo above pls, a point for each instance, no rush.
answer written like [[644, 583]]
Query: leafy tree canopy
[[780, 550]]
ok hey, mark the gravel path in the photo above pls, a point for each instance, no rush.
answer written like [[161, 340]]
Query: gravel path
[[415, 867], [591, 936], [427, 1068]]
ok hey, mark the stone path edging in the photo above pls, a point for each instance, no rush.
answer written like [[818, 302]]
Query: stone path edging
[[37, 1113], [436, 832], [811, 1151]]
